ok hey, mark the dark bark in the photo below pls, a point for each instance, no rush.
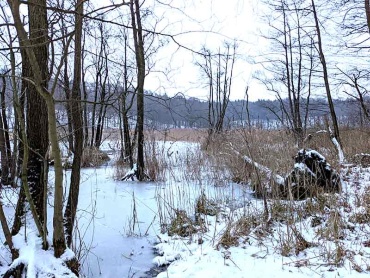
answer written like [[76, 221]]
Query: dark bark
[[67, 93], [20, 208], [127, 136], [6, 153], [325, 76], [37, 117], [367, 11], [140, 63], [76, 109], [4, 139]]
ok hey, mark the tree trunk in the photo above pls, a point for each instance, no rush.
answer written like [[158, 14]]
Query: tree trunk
[[85, 98], [36, 117], [140, 63], [6, 163], [68, 107], [38, 78], [76, 109], [367, 11], [37, 120], [326, 78]]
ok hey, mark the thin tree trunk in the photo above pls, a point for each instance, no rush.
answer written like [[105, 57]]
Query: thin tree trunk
[[140, 63], [326, 78], [68, 107], [85, 97], [367, 11], [71, 209], [6, 163]]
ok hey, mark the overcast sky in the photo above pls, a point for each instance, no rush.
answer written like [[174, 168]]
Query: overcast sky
[[199, 23], [234, 19]]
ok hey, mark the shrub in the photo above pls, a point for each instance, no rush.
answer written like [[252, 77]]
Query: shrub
[[93, 157]]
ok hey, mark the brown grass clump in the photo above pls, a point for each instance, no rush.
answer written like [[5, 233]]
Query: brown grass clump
[[245, 224], [334, 227], [293, 242], [362, 216], [355, 141], [205, 206], [227, 239], [93, 157], [262, 146], [181, 225]]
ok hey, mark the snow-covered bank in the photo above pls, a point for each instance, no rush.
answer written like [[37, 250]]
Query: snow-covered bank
[[334, 243], [119, 223]]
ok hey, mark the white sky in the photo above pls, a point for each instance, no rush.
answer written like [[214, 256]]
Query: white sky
[[209, 23], [235, 19], [204, 23]]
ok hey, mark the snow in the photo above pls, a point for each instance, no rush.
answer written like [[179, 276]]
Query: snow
[[313, 153], [119, 223], [39, 263], [303, 168], [112, 246], [259, 252], [338, 147]]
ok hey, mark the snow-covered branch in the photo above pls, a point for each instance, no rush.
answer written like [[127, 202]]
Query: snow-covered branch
[[267, 171]]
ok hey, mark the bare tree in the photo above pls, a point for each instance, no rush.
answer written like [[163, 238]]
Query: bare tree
[[140, 63], [37, 80], [289, 69], [354, 76], [325, 74], [218, 69], [77, 124], [5, 149]]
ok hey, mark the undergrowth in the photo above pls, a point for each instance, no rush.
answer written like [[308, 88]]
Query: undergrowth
[[319, 228]]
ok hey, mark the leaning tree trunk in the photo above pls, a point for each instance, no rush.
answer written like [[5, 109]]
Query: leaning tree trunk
[[326, 77]]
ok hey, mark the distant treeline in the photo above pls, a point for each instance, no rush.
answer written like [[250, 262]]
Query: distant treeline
[[182, 112], [162, 111]]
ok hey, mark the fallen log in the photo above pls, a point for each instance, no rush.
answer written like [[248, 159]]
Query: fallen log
[[311, 175]]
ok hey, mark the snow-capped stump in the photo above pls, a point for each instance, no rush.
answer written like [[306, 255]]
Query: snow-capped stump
[[311, 174], [132, 174]]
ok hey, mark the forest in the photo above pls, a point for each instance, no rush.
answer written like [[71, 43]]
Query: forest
[[246, 148]]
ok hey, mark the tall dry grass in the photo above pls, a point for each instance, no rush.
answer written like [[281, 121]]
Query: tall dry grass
[[182, 199]]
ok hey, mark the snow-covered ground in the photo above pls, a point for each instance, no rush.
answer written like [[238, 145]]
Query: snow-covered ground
[[119, 223], [335, 243]]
